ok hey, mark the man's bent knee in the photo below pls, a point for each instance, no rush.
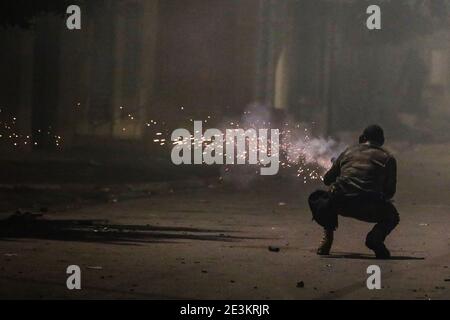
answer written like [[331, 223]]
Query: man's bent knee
[[392, 218]]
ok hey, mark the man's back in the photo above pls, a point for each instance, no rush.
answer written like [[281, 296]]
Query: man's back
[[362, 181], [364, 168]]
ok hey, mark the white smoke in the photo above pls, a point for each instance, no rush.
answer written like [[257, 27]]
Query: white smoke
[[310, 155], [310, 150]]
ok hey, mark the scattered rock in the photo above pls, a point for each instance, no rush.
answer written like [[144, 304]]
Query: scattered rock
[[10, 255], [21, 217], [274, 249], [95, 267], [300, 284]]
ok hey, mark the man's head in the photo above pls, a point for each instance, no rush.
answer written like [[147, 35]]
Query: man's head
[[373, 134]]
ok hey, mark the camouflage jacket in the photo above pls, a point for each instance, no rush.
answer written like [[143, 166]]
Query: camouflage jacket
[[363, 168]]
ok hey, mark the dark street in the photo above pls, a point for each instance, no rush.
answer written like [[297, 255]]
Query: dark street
[[224, 150], [212, 242]]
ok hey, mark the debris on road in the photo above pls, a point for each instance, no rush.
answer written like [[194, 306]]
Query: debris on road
[[300, 284], [274, 249], [95, 267], [19, 216], [10, 254]]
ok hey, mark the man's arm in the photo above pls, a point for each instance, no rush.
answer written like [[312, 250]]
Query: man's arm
[[334, 172], [390, 186]]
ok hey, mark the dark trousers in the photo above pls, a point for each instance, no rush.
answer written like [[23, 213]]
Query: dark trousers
[[365, 207]]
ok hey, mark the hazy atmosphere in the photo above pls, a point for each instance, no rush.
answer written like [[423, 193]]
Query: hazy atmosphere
[[86, 122]]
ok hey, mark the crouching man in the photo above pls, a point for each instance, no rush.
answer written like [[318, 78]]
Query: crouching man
[[362, 182]]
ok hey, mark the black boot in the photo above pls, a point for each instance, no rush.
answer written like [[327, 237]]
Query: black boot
[[326, 243], [375, 241], [376, 237], [381, 252]]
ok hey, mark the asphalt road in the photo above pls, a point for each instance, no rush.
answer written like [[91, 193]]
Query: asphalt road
[[213, 243]]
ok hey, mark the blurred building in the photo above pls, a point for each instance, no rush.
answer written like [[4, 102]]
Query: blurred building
[[138, 64]]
